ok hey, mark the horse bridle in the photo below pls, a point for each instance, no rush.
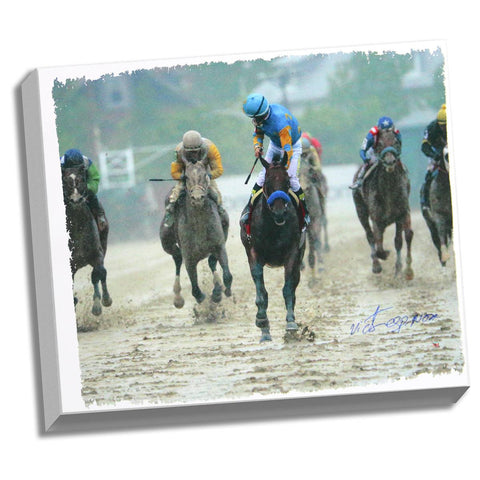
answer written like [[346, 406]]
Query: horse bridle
[[82, 195]]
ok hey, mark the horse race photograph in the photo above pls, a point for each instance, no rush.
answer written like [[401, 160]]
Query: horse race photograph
[[260, 227]]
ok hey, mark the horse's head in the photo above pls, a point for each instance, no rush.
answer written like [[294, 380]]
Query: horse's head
[[197, 181], [387, 149], [74, 182], [276, 187]]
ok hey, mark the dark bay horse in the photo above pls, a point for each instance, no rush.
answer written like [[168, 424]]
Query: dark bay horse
[[314, 185], [87, 245], [383, 200], [197, 233], [276, 240], [439, 216]]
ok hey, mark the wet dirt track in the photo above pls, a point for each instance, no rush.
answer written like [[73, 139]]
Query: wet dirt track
[[143, 350]]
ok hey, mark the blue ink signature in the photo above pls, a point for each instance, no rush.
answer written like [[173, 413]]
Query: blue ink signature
[[393, 324]]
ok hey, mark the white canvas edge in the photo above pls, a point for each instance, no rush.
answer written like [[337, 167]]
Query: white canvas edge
[[61, 375]]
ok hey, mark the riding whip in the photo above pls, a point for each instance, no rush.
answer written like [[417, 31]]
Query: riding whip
[[161, 179], [251, 171]]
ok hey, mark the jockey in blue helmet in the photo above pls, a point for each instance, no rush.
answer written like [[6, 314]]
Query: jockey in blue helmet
[[283, 130], [75, 158], [366, 151]]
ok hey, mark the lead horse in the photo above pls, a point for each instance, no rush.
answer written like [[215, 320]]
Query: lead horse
[[87, 244], [197, 233], [274, 239], [383, 200], [439, 216]]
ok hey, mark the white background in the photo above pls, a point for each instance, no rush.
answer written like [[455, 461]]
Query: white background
[[427, 443]]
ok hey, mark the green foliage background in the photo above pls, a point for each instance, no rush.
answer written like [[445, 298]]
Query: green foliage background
[[159, 105]]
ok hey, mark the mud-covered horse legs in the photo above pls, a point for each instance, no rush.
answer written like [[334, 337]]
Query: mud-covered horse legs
[[407, 228], [404, 228], [99, 275], [261, 299], [227, 276], [373, 240], [292, 278]]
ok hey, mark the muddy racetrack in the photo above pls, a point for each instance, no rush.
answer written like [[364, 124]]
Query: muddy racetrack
[[144, 351]]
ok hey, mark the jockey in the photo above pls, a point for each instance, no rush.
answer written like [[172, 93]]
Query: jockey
[[434, 140], [75, 158], [369, 142], [282, 128], [310, 155], [194, 147], [315, 143]]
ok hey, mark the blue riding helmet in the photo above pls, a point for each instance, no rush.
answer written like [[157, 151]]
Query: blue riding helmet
[[384, 123], [72, 158], [255, 105]]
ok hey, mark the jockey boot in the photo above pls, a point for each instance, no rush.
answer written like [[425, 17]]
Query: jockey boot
[[359, 182], [97, 211], [101, 220], [306, 216], [168, 219], [245, 215]]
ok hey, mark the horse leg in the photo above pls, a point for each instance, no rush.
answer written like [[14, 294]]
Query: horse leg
[[378, 230], [407, 228], [197, 293], [98, 274], [443, 242], [178, 300], [261, 300], [292, 278], [227, 275], [323, 223], [362, 213], [217, 284], [398, 247], [311, 251]]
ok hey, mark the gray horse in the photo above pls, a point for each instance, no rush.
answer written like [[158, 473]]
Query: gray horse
[[197, 233], [315, 188], [439, 216], [383, 200]]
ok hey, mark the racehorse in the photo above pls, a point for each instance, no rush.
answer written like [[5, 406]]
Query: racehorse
[[315, 187], [197, 233], [88, 246], [274, 239], [439, 216], [383, 200]]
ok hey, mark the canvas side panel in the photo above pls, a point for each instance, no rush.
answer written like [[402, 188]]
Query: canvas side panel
[[41, 248]]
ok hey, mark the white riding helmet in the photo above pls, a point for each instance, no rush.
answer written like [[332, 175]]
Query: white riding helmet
[[192, 140]]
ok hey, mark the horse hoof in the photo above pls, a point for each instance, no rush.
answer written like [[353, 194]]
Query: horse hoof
[[266, 337], [200, 298], [107, 301], [409, 274], [97, 310], [382, 254], [216, 298], [179, 302], [376, 268], [292, 327], [228, 292]]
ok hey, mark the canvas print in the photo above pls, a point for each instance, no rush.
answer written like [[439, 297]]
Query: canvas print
[[256, 227]]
